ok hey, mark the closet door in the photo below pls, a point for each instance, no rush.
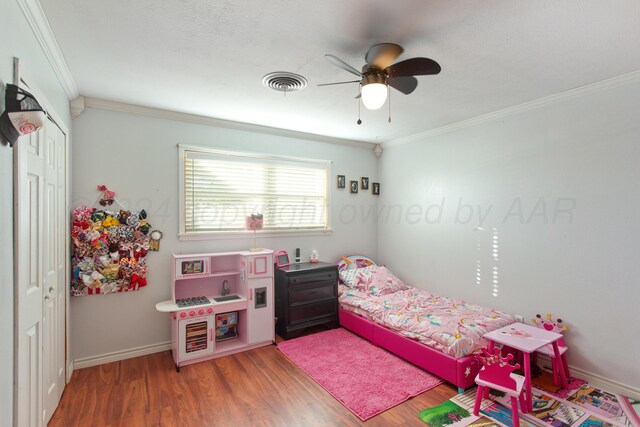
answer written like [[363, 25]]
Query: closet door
[[29, 194], [54, 257], [41, 273]]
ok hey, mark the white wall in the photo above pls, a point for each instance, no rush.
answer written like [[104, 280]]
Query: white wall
[[137, 157], [17, 40], [579, 157]]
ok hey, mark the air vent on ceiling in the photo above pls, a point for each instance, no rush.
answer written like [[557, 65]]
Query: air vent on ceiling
[[284, 81]]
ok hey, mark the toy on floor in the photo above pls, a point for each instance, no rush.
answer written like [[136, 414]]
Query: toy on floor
[[551, 325]]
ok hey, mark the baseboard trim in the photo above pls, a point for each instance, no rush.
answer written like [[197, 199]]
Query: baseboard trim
[[116, 356], [69, 371], [597, 380]]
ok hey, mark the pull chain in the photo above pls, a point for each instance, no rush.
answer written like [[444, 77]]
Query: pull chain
[[359, 122], [389, 97]]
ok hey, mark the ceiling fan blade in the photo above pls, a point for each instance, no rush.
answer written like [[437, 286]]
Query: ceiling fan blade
[[413, 67], [383, 54], [338, 83], [405, 84], [340, 63]]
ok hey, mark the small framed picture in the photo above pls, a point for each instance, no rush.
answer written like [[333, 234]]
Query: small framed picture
[[192, 267], [354, 186], [365, 183], [375, 188], [341, 181]]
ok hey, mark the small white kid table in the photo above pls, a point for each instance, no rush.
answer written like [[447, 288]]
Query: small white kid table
[[527, 339]]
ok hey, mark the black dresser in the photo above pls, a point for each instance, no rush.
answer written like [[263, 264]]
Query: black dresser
[[306, 295]]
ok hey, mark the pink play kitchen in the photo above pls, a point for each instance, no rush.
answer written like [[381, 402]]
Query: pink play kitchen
[[222, 303]]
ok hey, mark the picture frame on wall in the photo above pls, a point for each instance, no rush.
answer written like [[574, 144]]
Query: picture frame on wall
[[364, 183], [375, 188], [341, 181], [354, 186]]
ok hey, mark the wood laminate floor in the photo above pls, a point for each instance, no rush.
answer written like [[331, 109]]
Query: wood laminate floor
[[255, 388]]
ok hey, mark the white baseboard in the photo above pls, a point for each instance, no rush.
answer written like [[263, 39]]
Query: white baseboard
[[69, 371], [597, 380], [86, 362]]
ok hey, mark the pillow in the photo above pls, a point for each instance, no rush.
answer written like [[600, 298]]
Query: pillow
[[350, 276], [378, 281], [354, 261]]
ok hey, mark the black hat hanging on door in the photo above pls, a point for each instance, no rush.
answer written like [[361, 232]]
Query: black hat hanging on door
[[22, 114]]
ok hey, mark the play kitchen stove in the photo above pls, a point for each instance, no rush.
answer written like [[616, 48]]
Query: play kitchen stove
[[189, 302], [199, 301], [222, 303]]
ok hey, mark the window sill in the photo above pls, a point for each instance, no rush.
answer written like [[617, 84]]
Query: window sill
[[223, 235]]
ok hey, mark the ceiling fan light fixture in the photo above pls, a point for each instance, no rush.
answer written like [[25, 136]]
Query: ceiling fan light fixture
[[374, 90], [380, 73], [374, 95]]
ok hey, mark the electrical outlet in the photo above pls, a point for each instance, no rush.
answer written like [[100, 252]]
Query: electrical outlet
[[519, 318]]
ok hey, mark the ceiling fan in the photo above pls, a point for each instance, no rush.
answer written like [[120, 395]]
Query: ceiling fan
[[378, 74]]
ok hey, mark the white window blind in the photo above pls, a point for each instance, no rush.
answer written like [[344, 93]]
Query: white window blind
[[222, 189]]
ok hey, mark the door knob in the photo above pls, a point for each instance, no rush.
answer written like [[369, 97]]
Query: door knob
[[51, 288]]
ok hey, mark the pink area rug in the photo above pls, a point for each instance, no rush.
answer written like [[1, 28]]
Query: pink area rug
[[366, 379]]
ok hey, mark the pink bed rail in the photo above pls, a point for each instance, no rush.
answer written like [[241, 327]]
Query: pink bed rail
[[460, 372]]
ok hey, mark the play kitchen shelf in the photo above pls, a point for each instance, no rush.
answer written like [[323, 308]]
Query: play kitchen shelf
[[222, 303]]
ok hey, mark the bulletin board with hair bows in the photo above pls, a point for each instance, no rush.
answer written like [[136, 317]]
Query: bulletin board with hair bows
[[110, 246]]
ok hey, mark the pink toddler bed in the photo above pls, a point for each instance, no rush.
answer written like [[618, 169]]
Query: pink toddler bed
[[438, 334]]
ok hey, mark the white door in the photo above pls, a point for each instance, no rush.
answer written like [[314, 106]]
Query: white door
[[260, 312], [40, 276], [29, 183], [54, 257]]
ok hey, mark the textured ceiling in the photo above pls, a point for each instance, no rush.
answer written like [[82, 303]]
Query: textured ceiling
[[208, 57]]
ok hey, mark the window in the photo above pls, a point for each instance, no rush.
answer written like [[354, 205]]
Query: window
[[220, 189]]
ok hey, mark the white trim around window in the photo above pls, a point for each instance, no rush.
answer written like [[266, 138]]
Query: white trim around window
[[218, 189]]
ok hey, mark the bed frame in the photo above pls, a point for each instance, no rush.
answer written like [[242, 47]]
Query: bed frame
[[460, 372]]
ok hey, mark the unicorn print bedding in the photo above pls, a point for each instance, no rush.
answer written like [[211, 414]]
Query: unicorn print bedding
[[453, 327]]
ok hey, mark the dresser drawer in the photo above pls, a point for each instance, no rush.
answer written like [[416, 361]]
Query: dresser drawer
[[310, 278], [308, 294], [307, 312]]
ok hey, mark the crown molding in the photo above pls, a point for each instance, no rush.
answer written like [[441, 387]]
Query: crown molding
[[159, 113], [42, 30], [76, 106], [601, 86]]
